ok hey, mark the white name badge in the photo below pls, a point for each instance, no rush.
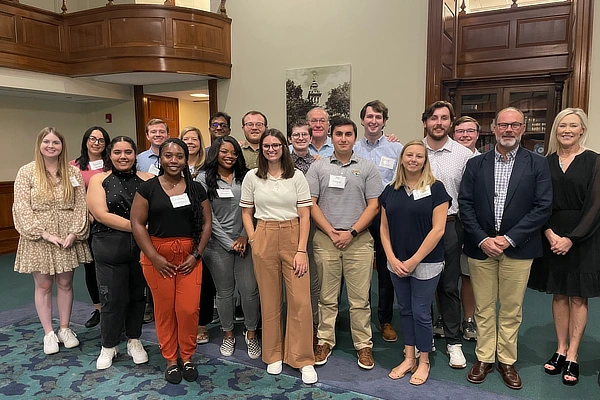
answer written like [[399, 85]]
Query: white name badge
[[337, 181], [387, 163], [95, 165], [154, 170], [180, 200], [74, 181], [225, 193], [419, 194]]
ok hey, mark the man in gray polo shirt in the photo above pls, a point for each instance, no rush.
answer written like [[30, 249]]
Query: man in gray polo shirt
[[345, 191]]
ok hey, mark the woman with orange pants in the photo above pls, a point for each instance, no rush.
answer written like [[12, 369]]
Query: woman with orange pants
[[179, 220]]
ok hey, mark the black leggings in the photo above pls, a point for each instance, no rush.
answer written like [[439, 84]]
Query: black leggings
[[90, 277]]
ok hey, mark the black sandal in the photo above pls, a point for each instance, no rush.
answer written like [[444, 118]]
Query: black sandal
[[572, 370], [558, 362]]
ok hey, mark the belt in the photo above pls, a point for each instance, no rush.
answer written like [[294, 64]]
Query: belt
[[451, 218]]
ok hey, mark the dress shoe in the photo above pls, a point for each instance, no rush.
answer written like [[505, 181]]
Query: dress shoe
[[388, 333], [510, 376], [479, 372], [557, 362], [571, 370]]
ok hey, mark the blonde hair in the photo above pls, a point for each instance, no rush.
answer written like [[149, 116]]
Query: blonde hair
[[201, 153], [553, 141], [426, 178], [41, 173]]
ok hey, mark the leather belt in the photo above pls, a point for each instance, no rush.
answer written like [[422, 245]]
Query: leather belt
[[451, 218]]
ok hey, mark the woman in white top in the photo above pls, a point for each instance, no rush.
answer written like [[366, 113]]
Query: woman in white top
[[280, 198]]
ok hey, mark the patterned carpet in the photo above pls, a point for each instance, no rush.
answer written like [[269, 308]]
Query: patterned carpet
[[27, 373]]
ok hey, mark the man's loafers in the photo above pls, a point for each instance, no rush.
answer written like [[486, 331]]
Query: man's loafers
[[510, 376], [479, 372]]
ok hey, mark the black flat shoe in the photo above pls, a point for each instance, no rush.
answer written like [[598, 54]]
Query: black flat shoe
[[572, 370], [188, 370], [173, 374], [558, 362], [94, 319]]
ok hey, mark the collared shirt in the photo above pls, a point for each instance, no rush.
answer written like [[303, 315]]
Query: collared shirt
[[383, 153], [502, 172], [325, 151], [250, 155], [303, 163], [342, 207], [448, 165], [146, 159]]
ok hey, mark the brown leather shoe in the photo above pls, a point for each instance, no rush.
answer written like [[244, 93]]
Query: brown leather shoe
[[322, 353], [388, 333], [365, 358], [510, 376], [479, 372]]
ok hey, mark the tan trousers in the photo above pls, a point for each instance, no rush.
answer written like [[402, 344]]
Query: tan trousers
[[355, 264], [275, 245], [504, 280]]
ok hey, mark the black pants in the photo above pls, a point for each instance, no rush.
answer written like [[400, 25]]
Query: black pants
[[90, 277], [447, 290], [121, 286], [207, 297], [385, 305]]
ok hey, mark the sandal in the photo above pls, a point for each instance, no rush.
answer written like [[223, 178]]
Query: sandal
[[571, 370], [557, 362], [419, 380], [202, 335], [395, 374]]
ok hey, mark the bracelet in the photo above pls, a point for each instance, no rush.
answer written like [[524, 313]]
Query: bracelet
[[300, 251]]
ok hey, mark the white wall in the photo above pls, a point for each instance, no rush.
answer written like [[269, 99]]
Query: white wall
[[383, 40], [594, 109], [195, 114]]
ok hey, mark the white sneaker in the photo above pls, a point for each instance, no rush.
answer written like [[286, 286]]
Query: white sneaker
[[50, 343], [457, 358], [309, 375], [106, 356], [68, 338], [136, 351], [275, 368]]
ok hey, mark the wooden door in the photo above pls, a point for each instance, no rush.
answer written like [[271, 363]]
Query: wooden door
[[165, 108]]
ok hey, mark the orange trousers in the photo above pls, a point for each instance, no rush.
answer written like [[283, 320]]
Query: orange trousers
[[175, 299]]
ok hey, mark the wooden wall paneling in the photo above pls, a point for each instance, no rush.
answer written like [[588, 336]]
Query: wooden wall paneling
[[145, 31], [9, 237], [213, 98], [140, 123], [582, 28], [87, 36], [441, 34], [448, 39], [8, 28]]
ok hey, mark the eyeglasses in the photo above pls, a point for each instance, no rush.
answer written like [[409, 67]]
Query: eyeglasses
[[95, 140], [221, 125], [254, 124], [514, 125], [227, 153], [300, 135], [321, 120], [463, 131], [274, 146]]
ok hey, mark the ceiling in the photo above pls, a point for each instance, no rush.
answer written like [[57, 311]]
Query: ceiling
[[149, 78]]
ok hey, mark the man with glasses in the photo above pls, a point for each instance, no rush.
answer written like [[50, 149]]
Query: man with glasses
[[377, 149], [466, 132], [254, 124], [345, 192], [319, 124], [505, 199], [448, 160], [157, 131], [219, 125]]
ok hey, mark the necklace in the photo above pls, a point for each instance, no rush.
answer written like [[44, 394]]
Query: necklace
[[563, 160], [172, 184]]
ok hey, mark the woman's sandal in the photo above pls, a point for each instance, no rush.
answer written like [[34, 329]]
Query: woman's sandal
[[394, 374], [571, 370], [202, 335], [418, 380], [557, 362]]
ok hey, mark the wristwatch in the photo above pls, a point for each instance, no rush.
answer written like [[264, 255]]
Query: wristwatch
[[353, 232], [196, 255]]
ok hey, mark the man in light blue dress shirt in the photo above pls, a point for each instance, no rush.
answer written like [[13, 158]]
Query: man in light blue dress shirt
[[157, 131], [377, 149], [318, 120]]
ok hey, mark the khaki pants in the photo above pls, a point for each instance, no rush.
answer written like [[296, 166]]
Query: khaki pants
[[498, 279], [355, 264], [273, 251]]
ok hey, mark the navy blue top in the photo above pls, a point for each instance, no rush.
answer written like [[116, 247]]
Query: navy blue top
[[410, 221]]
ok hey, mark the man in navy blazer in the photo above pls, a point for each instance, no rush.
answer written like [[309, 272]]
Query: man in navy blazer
[[505, 198]]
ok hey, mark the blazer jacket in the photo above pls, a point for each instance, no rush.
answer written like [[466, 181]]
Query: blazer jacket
[[527, 207]]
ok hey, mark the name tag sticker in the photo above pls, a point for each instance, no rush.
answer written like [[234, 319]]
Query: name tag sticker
[[225, 193], [387, 163], [74, 181], [95, 165], [419, 194], [180, 200], [154, 170], [337, 181]]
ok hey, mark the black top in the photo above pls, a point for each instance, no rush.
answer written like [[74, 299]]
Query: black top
[[120, 188], [410, 220], [165, 220]]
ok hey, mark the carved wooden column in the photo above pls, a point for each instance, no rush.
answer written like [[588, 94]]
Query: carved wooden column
[[64, 7], [222, 9]]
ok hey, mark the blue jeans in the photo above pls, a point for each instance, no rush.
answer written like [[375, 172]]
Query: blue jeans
[[414, 298]]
